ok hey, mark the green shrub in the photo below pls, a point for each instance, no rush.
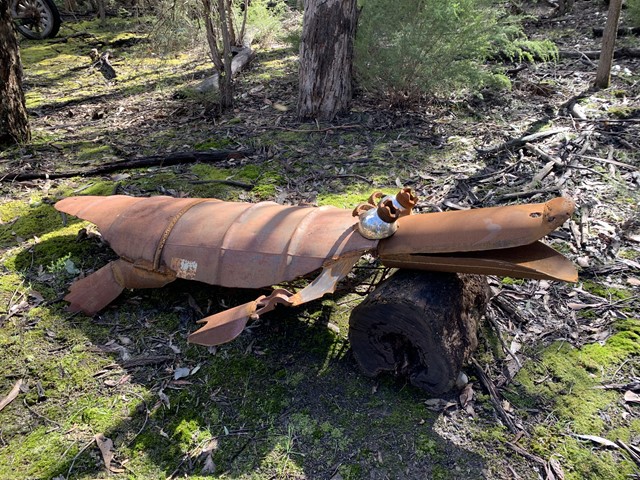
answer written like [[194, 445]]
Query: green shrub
[[180, 24], [633, 12], [409, 48], [264, 20]]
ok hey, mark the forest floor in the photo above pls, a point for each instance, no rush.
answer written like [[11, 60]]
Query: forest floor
[[123, 395]]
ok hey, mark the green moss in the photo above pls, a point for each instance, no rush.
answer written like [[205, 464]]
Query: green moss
[[215, 143], [623, 111], [604, 291], [352, 196], [208, 172], [89, 151], [565, 380], [267, 185], [351, 471], [629, 253], [36, 456]]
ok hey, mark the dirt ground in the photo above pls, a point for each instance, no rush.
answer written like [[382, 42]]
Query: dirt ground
[[123, 395]]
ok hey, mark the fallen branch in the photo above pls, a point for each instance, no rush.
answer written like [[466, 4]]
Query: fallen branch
[[494, 396], [240, 60], [519, 142], [526, 194], [149, 360], [595, 54], [611, 161], [152, 161], [529, 456], [622, 31], [543, 155]]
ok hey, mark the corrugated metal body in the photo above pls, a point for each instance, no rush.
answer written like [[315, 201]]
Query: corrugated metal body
[[255, 245], [222, 243]]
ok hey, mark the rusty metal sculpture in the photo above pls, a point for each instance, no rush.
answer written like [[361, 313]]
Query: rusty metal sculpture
[[160, 239]]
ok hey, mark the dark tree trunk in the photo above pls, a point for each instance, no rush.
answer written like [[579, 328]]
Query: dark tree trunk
[[326, 55], [603, 75], [14, 123], [420, 325]]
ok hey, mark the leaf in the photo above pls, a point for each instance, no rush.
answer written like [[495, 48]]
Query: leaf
[[70, 267], [580, 306], [181, 372], [439, 404], [106, 445], [595, 439], [37, 297], [12, 395], [466, 395], [555, 466], [164, 399], [209, 466], [631, 397]]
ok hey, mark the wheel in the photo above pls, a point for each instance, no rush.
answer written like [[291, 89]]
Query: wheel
[[36, 19], [419, 325]]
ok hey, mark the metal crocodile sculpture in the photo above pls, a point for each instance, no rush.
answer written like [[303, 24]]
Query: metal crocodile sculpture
[[232, 244]]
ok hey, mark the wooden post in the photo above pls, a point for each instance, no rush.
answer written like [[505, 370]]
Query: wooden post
[[603, 76], [420, 325]]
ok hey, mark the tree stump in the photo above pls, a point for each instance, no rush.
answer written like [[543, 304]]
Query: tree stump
[[419, 325]]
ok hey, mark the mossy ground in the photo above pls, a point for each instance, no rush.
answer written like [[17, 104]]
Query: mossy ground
[[284, 400]]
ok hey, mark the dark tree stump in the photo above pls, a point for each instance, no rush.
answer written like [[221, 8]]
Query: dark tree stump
[[421, 325]]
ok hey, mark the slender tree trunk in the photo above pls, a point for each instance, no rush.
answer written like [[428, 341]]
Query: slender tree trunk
[[14, 123], [603, 76], [326, 57], [226, 76], [222, 60]]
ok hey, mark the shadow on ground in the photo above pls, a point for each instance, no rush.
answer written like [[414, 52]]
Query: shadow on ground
[[285, 399]]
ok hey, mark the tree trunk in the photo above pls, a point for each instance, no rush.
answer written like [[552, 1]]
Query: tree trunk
[[419, 325], [603, 76], [326, 55], [14, 123], [226, 77]]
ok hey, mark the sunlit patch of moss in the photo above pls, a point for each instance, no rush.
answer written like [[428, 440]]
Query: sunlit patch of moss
[[352, 196], [36, 455], [565, 380], [267, 184], [623, 112], [26, 220], [208, 172], [93, 152], [100, 188], [215, 143], [610, 293], [629, 253]]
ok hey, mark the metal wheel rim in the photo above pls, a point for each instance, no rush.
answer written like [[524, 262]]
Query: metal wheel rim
[[34, 15]]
